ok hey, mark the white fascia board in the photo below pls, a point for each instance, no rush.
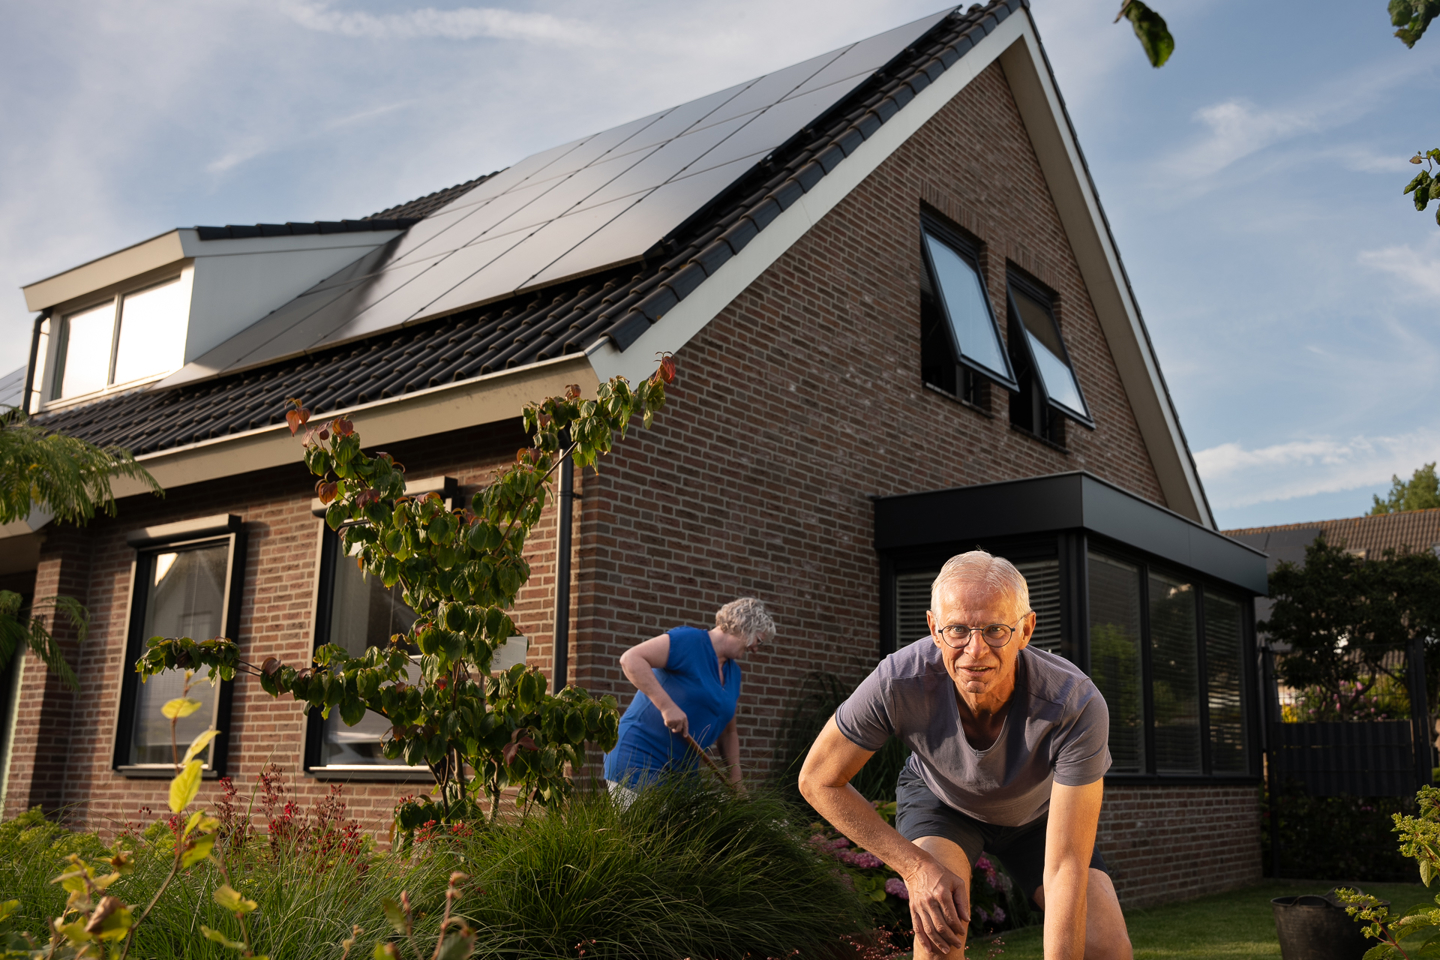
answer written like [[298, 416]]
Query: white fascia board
[[486, 399], [38, 518], [1053, 137], [106, 271], [1014, 40], [361, 241]]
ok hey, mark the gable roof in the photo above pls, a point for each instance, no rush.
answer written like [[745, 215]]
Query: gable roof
[[686, 278]]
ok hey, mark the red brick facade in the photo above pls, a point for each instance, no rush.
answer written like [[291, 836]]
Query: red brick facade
[[801, 400]]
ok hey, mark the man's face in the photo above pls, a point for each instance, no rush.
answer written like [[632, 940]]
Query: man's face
[[984, 675]]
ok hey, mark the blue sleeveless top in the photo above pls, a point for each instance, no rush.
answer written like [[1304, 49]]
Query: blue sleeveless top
[[646, 747]]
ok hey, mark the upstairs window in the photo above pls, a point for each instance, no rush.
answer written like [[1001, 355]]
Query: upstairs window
[[126, 338], [961, 350], [1049, 392]]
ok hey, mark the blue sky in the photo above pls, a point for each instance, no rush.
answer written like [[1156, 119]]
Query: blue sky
[[1253, 183]]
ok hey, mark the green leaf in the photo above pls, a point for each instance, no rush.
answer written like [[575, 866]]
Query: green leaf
[[394, 913], [220, 938], [1150, 28], [352, 711], [1412, 17], [201, 849], [199, 743], [185, 786], [180, 707], [230, 899]]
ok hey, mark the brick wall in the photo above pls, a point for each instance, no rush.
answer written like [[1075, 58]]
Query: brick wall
[[1174, 843], [63, 743]]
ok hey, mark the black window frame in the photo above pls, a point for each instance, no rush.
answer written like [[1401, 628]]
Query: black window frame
[[148, 543], [1032, 409], [1202, 585], [971, 381], [328, 558]]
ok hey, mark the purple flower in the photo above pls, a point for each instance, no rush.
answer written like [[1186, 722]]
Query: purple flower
[[999, 915], [896, 888], [981, 916], [983, 863], [862, 859]]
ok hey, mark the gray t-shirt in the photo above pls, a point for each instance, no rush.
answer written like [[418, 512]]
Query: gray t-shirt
[[1057, 728]]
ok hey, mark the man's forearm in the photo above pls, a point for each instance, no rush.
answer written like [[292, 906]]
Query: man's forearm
[[1065, 895], [855, 817]]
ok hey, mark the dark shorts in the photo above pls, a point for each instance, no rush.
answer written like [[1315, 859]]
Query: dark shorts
[[919, 813]]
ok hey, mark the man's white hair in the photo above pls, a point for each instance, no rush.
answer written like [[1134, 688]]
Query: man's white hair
[[977, 565]]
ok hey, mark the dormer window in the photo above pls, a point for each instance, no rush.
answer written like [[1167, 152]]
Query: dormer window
[[961, 349], [131, 336], [1049, 391]]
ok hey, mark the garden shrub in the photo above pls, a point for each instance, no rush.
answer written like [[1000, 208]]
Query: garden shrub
[[1336, 838], [687, 871]]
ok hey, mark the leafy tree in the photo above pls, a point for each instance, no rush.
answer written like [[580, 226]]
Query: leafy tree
[[67, 476], [1420, 492], [1341, 615], [460, 571], [70, 478]]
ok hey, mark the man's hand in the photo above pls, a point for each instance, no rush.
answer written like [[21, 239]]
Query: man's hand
[[939, 906], [675, 719]]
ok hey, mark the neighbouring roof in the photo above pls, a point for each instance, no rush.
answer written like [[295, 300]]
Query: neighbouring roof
[[1413, 530], [569, 317]]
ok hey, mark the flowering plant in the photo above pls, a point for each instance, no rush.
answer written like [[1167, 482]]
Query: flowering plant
[[990, 888]]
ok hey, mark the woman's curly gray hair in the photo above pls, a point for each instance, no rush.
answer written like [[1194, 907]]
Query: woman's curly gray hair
[[746, 618]]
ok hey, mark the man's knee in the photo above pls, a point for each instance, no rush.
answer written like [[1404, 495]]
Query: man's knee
[[1105, 935]]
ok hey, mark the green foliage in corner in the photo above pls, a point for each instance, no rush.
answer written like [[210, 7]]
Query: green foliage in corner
[[1420, 492]]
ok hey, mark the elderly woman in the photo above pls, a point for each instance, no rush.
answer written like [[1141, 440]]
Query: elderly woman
[[688, 682]]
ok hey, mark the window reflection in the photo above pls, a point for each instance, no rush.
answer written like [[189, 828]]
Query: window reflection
[[152, 332], [1223, 637], [363, 613], [84, 360], [1176, 685], [967, 306], [184, 596], [1115, 663]]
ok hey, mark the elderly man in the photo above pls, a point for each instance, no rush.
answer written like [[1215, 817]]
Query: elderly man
[[1008, 750]]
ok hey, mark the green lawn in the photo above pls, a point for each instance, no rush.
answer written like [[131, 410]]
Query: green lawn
[[1237, 925]]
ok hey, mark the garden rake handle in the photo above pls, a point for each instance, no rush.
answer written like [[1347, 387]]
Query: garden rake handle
[[705, 758]]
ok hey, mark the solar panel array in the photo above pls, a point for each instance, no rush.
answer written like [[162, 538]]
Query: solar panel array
[[596, 202]]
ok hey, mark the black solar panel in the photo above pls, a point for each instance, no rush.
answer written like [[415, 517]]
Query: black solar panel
[[588, 205]]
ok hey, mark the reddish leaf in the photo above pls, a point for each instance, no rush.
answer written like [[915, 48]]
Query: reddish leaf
[[297, 415], [667, 369], [367, 496], [518, 740], [343, 427], [323, 434], [326, 491], [572, 391], [270, 666]]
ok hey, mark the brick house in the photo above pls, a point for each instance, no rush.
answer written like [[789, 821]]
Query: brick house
[[903, 329]]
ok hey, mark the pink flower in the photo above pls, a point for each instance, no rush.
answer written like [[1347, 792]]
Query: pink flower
[[863, 859], [896, 888], [999, 915], [983, 863]]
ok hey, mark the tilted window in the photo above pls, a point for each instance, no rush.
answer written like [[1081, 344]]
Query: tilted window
[[186, 583], [961, 348], [124, 338], [1049, 390]]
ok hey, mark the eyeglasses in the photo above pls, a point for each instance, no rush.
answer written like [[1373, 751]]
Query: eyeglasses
[[957, 635]]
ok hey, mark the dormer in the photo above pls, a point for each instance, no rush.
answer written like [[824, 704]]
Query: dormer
[[137, 315]]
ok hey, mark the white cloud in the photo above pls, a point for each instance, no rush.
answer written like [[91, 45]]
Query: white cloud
[[1417, 268], [463, 23], [1237, 129], [1238, 477]]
